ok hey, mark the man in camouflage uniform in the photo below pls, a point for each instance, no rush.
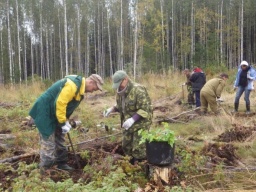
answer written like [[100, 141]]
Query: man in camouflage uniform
[[191, 99], [134, 106], [51, 112], [211, 92]]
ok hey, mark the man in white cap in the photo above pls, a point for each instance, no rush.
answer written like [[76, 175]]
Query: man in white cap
[[134, 106], [244, 84], [51, 113]]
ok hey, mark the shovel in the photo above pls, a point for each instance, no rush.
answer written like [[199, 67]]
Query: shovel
[[77, 162]]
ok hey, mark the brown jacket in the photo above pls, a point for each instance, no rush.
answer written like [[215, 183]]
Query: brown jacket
[[214, 87]]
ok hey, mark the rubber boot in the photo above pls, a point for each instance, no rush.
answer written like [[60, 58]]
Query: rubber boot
[[236, 107], [248, 111]]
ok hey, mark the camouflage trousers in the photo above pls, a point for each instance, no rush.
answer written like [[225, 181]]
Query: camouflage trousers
[[191, 99], [131, 145], [52, 149]]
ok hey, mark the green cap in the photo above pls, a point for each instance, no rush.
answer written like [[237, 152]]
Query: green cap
[[117, 78]]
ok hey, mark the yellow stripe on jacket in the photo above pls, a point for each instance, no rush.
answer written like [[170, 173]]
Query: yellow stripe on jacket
[[67, 94]]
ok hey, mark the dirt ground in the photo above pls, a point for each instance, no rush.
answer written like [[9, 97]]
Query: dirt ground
[[222, 151]]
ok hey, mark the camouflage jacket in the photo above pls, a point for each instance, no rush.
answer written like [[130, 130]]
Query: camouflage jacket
[[135, 100]]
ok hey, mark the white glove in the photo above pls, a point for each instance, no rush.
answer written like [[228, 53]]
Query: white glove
[[66, 128], [183, 84], [108, 111], [219, 99], [78, 123], [128, 123], [249, 76]]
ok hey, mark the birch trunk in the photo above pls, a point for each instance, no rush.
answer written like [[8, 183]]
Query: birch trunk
[[41, 42], [192, 49], [135, 42], [109, 45], [66, 36], [60, 40], [221, 32], [2, 59], [121, 39], [9, 44], [18, 36], [242, 31], [25, 59], [78, 40], [47, 55]]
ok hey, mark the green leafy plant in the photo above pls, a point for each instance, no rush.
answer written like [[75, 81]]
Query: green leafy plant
[[162, 133]]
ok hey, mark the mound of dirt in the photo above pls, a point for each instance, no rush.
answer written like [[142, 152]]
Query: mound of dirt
[[238, 133], [221, 153]]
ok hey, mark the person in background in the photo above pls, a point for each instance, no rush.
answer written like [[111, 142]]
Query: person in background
[[191, 99], [51, 113], [244, 84], [198, 79], [211, 93], [134, 106]]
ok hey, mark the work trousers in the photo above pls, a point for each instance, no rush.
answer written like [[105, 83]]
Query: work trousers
[[52, 149]]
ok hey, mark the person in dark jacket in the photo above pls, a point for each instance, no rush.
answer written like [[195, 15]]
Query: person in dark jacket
[[51, 113], [134, 105], [244, 84], [191, 99], [198, 79]]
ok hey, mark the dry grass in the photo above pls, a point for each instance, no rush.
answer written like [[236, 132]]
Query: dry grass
[[160, 87]]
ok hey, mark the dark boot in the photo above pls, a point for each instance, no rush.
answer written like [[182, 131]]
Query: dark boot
[[248, 111], [236, 107]]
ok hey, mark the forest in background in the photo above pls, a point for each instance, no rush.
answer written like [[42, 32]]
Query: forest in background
[[52, 38]]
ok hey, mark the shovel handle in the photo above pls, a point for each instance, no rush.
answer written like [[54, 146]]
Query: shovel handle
[[77, 162]]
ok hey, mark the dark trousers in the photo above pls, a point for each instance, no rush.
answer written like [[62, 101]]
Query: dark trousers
[[197, 95]]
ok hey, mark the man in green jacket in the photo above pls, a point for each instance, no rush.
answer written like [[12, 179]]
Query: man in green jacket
[[51, 113], [211, 93], [134, 105]]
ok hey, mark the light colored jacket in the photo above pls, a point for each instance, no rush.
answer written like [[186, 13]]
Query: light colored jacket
[[251, 75]]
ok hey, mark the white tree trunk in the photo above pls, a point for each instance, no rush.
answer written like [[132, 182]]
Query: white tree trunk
[[78, 39], [109, 45], [18, 38], [135, 41], [192, 49], [66, 36], [25, 58], [242, 31], [9, 43], [60, 39], [47, 55], [41, 42], [121, 39], [2, 59], [221, 32]]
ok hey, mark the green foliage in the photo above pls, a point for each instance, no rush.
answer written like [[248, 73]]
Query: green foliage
[[85, 154], [158, 134], [190, 161]]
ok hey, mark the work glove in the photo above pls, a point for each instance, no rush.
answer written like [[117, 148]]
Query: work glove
[[183, 84], [219, 99], [66, 128], [108, 111], [128, 123], [78, 123]]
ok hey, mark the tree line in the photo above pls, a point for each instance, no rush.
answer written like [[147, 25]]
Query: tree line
[[52, 38]]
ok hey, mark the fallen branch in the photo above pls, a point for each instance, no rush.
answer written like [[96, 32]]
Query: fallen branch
[[98, 138], [170, 97], [7, 136], [185, 112], [18, 157]]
